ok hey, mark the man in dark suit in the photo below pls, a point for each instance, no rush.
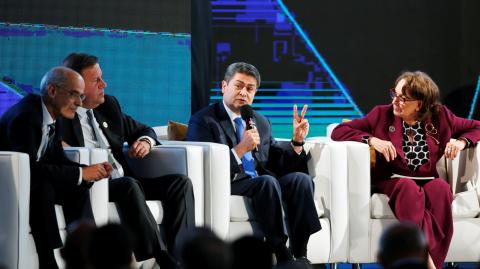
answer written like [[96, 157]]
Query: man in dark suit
[[29, 126], [262, 169], [100, 122]]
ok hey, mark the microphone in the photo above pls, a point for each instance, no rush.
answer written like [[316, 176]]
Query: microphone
[[246, 112]]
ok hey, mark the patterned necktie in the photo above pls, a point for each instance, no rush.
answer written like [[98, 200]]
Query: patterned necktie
[[50, 135], [51, 132], [117, 167], [247, 159]]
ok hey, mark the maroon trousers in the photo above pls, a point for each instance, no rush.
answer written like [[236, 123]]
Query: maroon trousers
[[427, 204]]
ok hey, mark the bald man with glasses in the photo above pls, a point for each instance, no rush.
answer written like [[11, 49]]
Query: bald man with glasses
[[32, 126]]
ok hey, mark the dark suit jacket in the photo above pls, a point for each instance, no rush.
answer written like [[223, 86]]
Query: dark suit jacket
[[212, 124], [21, 130], [116, 126], [383, 124]]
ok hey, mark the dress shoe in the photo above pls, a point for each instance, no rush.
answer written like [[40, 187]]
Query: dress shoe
[[165, 260], [304, 260], [283, 254]]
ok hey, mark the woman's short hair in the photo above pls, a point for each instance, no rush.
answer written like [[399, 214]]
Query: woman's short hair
[[420, 86]]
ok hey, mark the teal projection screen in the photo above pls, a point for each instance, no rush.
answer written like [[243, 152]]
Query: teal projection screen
[[149, 72]]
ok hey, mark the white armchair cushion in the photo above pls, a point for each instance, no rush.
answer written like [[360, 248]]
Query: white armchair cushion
[[156, 208], [379, 207], [466, 205], [241, 208]]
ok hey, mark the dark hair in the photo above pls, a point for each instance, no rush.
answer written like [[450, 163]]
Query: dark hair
[[243, 68], [421, 87], [75, 250], [111, 246], [402, 241], [201, 248], [80, 61], [251, 252]]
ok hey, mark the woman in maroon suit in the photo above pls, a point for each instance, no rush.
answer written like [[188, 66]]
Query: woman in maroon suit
[[411, 135]]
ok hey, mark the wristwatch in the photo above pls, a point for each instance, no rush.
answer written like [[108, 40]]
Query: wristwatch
[[296, 143]]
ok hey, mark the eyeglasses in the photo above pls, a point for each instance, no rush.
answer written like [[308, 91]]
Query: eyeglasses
[[75, 95], [401, 98]]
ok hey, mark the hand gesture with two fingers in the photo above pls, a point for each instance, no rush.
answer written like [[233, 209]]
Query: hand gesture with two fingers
[[300, 124]]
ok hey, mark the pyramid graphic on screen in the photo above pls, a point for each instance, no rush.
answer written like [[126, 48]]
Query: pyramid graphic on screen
[[266, 34]]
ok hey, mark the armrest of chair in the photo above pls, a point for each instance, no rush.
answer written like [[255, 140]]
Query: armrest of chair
[[463, 172], [174, 159], [328, 166], [359, 182], [99, 190], [14, 205], [216, 171]]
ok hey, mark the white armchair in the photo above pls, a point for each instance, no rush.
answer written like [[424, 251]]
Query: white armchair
[[231, 216], [14, 204], [15, 169], [163, 160], [327, 165], [370, 214], [215, 172]]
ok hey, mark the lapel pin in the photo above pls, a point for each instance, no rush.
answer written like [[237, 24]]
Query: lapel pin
[[391, 128], [105, 124]]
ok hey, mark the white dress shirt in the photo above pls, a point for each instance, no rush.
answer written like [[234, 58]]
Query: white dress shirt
[[47, 120]]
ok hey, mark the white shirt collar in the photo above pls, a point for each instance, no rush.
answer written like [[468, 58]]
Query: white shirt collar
[[82, 112], [46, 117], [232, 115]]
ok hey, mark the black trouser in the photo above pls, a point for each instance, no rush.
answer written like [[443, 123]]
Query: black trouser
[[267, 193], [43, 222], [135, 215], [176, 193]]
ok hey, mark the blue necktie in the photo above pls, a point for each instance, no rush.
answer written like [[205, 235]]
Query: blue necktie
[[247, 159]]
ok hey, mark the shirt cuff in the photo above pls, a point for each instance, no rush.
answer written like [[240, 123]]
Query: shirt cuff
[[80, 175], [152, 142], [239, 161]]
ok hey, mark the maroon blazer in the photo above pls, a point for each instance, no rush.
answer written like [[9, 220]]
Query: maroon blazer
[[383, 124]]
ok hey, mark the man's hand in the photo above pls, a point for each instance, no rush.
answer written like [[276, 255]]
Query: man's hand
[[250, 140], [384, 147], [300, 124], [139, 149], [453, 148], [97, 171]]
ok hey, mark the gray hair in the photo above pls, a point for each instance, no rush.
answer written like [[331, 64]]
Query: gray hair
[[243, 68], [57, 76]]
